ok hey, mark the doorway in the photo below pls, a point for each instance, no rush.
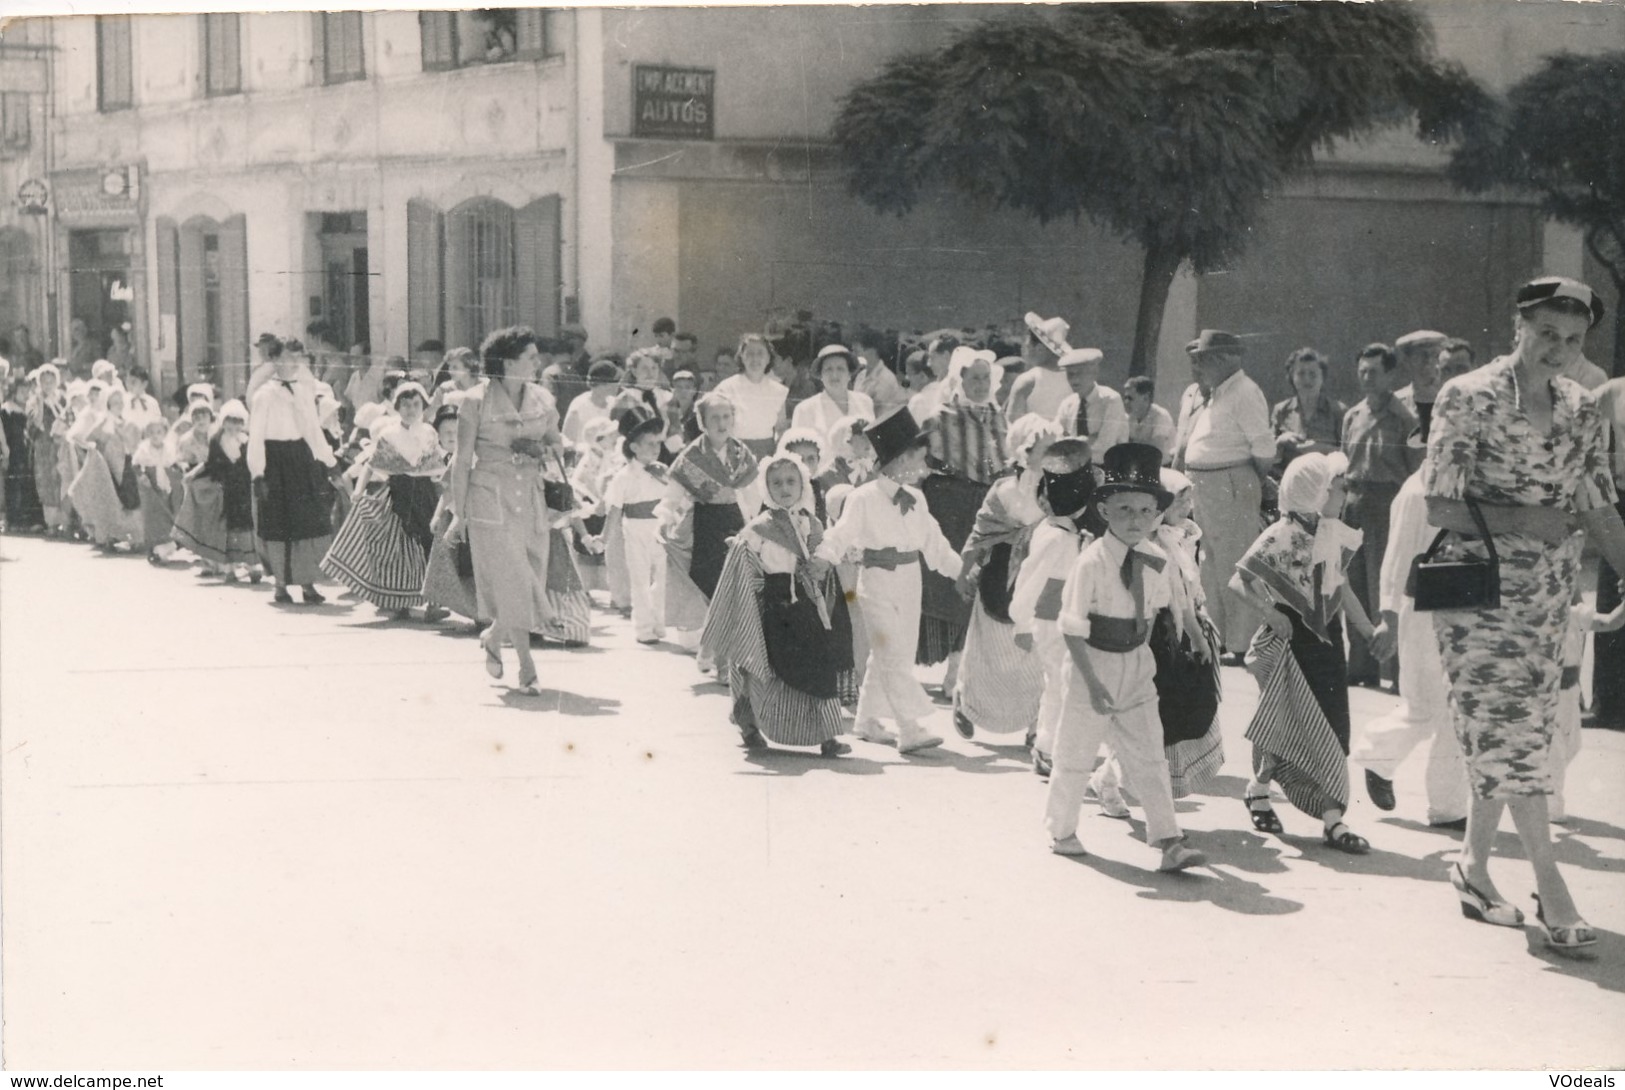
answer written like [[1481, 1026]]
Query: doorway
[[100, 291], [345, 278]]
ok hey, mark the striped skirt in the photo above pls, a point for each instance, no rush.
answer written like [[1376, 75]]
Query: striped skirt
[[376, 557], [569, 607], [999, 684], [1295, 745]]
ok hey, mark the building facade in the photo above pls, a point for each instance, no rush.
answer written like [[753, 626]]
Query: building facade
[[405, 177]]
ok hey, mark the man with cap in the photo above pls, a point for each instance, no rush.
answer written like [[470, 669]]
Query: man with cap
[[1115, 589], [1042, 387], [1418, 355], [886, 523], [1228, 450], [1091, 411]]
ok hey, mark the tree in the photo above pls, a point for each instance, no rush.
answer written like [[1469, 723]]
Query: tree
[[1560, 133], [1169, 125]]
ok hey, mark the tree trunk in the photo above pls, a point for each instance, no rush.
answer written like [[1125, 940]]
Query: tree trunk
[[1619, 330], [1156, 277]]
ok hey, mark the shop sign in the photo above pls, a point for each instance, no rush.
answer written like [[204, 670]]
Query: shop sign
[[109, 193], [673, 103]]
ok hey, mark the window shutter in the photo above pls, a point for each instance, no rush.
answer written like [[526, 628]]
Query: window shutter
[[318, 46], [530, 32], [193, 336], [14, 133], [113, 61], [230, 66], [169, 293], [425, 258], [347, 25], [234, 304], [536, 235], [439, 30]]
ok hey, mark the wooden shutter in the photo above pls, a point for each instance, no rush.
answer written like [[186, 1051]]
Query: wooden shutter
[[189, 277], [530, 32], [318, 46], [113, 74], [439, 30], [169, 294], [14, 133], [222, 44], [234, 304], [344, 46], [425, 269], [536, 236]]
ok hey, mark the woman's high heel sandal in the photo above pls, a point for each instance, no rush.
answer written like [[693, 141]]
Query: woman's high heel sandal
[[1476, 906], [493, 657], [1573, 937]]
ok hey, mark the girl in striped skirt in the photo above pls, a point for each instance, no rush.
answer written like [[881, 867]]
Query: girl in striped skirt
[[1294, 575], [382, 550], [771, 621]]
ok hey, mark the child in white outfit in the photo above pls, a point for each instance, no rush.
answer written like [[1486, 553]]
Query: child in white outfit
[[1116, 587], [631, 498], [1566, 738]]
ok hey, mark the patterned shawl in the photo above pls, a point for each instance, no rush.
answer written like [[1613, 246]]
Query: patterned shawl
[[1282, 559], [712, 478]]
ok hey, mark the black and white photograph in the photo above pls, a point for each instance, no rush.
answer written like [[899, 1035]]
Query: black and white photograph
[[942, 537]]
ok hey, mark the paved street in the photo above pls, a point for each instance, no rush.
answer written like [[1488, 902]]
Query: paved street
[[236, 836]]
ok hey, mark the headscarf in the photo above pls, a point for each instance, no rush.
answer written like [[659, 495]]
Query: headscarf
[[158, 456], [963, 357], [805, 501], [779, 517], [1305, 486], [104, 370], [839, 447], [804, 435], [42, 369], [1028, 432], [231, 410]]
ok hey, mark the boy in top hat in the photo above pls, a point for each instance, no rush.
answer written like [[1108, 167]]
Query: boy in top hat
[[1116, 587], [1067, 489], [1092, 411], [888, 525], [1042, 387], [633, 493]]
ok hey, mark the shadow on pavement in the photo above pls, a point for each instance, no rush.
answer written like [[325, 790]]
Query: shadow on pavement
[[1567, 845], [979, 763], [555, 700], [1588, 827], [1203, 884], [1602, 964], [799, 762]]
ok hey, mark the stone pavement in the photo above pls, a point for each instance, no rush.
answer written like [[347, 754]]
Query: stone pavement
[[243, 837]]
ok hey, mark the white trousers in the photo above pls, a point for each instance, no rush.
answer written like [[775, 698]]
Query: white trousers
[[1050, 647], [1134, 734], [646, 576], [1422, 716], [891, 612], [1227, 502]]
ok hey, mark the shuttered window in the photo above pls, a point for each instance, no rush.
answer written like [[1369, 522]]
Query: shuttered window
[[14, 132], [114, 80], [539, 267], [457, 39], [339, 46], [481, 270], [425, 265], [439, 29], [222, 54]]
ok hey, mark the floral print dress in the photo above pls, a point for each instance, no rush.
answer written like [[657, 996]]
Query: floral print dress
[[1505, 664]]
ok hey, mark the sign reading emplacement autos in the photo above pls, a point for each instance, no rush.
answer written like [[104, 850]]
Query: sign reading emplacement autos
[[673, 103]]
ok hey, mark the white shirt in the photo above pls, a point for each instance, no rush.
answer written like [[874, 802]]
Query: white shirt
[[1585, 372], [1095, 585], [757, 405], [820, 413], [925, 403], [278, 414], [1232, 427], [1157, 429], [871, 519], [583, 411], [1045, 394], [877, 382], [1108, 420], [633, 484], [1409, 535], [1042, 577]]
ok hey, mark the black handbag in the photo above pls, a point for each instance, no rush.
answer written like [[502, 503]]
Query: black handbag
[[558, 495], [1445, 583], [462, 559]]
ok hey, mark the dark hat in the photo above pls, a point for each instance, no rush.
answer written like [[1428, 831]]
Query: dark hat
[[1217, 341], [1549, 288], [637, 421], [443, 414], [895, 436], [1068, 492], [603, 371], [1134, 467]]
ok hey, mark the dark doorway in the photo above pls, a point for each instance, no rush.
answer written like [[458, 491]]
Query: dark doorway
[[343, 237], [99, 288]]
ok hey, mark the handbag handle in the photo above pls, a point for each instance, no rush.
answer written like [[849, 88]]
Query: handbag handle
[[1483, 533]]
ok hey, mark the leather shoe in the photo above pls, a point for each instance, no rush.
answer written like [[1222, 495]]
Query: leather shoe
[[1457, 826], [1380, 790]]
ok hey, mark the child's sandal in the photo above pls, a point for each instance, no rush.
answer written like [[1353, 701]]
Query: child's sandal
[[1265, 820]]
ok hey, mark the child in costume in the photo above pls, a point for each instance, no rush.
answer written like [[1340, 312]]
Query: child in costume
[[105, 492], [160, 485], [1116, 587], [382, 550], [1567, 737], [1294, 575], [631, 498], [886, 523], [771, 622], [1067, 490], [216, 519], [448, 582], [808, 445], [45, 406]]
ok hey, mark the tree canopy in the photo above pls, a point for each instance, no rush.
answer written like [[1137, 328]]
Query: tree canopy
[[1168, 125], [1560, 133]]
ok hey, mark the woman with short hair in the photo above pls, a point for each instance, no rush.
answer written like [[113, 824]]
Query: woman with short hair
[[1311, 420], [498, 500], [1529, 448]]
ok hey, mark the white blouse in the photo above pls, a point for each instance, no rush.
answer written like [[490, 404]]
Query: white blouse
[[821, 413], [756, 404]]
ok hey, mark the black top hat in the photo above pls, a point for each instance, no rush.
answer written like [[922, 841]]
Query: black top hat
[[638, 420], [895, 436], [1134, 467], [1069, 492]]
